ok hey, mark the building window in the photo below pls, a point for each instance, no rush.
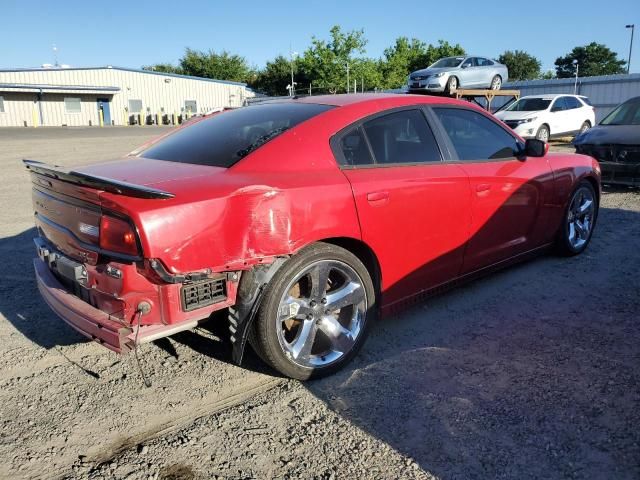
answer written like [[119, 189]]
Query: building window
[[72, 105], [1, 104], [191, 106], [135, 106]]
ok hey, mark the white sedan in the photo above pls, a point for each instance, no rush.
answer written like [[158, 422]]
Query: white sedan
[[548, 116]]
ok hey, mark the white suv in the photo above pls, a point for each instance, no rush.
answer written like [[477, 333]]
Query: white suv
[[548, 116]]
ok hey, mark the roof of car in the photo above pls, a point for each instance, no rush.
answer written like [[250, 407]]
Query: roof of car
[[337, 100], [553, 95]]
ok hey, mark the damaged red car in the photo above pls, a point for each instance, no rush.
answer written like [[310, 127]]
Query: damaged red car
[[305, 219]]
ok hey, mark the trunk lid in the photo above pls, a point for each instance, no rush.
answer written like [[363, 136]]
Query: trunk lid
[[68, 204]]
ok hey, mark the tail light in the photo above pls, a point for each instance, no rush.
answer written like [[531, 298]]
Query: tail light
[[117, 235]]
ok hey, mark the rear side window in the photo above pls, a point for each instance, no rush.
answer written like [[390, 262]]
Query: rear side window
[[402, 137], [586, 101], [572, 102], [227, 137], [559, 105], [474, 136], [354, 148]]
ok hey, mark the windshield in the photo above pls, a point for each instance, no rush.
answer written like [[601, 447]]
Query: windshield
[[448, 62], [227, 137], [626, 114], [529, 105]]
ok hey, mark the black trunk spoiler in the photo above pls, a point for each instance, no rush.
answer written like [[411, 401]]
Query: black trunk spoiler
[[94, 181]]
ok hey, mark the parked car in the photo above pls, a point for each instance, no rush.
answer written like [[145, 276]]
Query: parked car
[[450, 73], [304, 218], [549, 116], [615, 142]]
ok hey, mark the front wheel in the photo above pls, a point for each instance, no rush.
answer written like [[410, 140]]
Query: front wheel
[[585, 126], [543, 134], [316, 312], [579, 220], [452, 85]]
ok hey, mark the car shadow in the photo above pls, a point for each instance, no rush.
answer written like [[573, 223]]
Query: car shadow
[[517, 383], [20, 300]]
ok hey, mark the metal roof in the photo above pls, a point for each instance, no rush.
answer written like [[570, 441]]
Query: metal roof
[[109, 67], [30, 87]]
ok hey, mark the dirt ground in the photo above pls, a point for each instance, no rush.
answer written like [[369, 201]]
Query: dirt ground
[[533, 372]]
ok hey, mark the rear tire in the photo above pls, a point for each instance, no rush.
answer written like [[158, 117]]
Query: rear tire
[[496, 83], [316, 313], [578, 221], [543, 133]]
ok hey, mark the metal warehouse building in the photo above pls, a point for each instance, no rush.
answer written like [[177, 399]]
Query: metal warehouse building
[[109, 96]]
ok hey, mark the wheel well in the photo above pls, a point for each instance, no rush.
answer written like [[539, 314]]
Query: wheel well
[[588, 122], [364, 254], [594, 184]]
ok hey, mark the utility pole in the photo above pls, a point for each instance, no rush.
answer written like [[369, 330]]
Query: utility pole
[[575, 85], [632, 27], [292, 55], [347, 77]]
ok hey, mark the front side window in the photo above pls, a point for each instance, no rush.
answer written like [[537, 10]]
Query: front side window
[[402, 137], [470, 62], [225, 138], [72, 105], [475, 137]]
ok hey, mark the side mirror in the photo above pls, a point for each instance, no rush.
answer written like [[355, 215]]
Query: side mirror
[[465, 65], [535, 148]]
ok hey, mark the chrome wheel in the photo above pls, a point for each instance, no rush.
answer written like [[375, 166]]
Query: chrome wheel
[[496, 83], [321, 314], [580, 217], [585, 127]]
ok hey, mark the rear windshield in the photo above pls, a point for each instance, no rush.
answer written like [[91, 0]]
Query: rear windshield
[[529, 105], [227, 137]]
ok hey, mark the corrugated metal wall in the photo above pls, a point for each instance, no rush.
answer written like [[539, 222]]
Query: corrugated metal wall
[[605, 92], [156, 91]]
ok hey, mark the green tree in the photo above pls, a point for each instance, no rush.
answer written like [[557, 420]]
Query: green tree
[[548, 75], [441, 50], [325, 62], [276, 75], [163, 67], [593, 59], [401, 59], [521, 65], [221, 66]]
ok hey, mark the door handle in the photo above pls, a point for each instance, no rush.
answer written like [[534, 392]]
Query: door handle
[[483, 187], [377, 197]]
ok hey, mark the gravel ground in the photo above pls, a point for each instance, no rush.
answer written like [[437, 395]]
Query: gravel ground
[[530, 373]]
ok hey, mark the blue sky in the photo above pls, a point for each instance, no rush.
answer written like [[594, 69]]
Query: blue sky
[[134, 33]]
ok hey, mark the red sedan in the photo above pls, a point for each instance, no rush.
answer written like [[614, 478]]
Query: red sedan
[[306, 219]]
